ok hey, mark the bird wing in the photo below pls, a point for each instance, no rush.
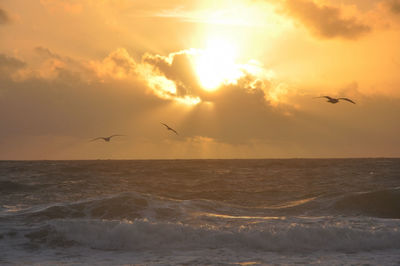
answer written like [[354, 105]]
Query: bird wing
[[174, 131], [347, 99], [328, 97], [170, 128], [97, 138]]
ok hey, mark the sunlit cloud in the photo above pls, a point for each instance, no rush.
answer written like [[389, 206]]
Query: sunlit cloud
[[196, 72], [118, 64]]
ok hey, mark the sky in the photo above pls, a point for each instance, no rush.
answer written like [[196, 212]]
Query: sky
[[235, 79]]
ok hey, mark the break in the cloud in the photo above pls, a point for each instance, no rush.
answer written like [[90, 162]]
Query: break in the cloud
[[4, 17], [178, 68], [325, 21], [183, 70]]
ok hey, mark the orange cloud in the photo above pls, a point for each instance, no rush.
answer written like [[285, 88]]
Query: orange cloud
[[4, 17], [394, 6], [177, 67], [118, 64], [68, 6], [49, 66], [237, 120], [325, 21], [9, 65]]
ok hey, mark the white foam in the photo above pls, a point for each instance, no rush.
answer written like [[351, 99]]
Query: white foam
[[270, 235]]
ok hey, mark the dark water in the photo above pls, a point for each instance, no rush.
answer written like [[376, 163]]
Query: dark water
[[199, 212]]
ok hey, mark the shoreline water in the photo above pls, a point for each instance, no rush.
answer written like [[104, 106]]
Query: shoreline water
[[174, 212]]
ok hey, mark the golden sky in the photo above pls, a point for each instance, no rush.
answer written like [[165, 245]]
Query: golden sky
[[236, 79]]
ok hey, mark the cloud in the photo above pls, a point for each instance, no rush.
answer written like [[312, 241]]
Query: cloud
[[325, 21], [67, 6], [182, 80], [109, 90], [54, 116], [394, 6], [179, 68], [68, 101], [46, 53], [4, 17], [118, 64], [48, 65], [10, 62], [9, 65]]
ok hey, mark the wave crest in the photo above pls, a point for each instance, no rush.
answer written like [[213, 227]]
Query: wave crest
[[267, 236], [383, 204]]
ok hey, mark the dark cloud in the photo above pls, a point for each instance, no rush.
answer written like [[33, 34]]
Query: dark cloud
[[9, 65], [4, 17], [56, 65], [394, 6], [72, 102], [325, 21], [68, 105], [46, 53], [240, 113]]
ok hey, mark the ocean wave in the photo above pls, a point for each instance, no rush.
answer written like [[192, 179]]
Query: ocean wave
[[274, 235], [135, 205], [10, 187], [128, 205], [120, 206], [383, 203]]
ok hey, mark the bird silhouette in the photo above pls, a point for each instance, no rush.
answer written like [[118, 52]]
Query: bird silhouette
[[335, 100], [106, 139], [169, 128]]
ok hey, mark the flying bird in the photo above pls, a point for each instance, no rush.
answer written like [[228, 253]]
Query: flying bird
[[335, 100], [169, 128], [107, 139]]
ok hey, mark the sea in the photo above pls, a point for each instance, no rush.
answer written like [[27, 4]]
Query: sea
[[200, 212]]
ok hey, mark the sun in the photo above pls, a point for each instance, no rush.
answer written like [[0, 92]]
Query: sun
[[215, 65]]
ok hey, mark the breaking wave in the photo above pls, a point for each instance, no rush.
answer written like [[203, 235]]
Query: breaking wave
[[134, 205], [384, 204], [282, 235]]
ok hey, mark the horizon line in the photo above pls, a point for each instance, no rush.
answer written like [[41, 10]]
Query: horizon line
[[199, 159]]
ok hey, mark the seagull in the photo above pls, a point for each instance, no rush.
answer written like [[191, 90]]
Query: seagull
[[106, 139], [336, 100], [169, 128]]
